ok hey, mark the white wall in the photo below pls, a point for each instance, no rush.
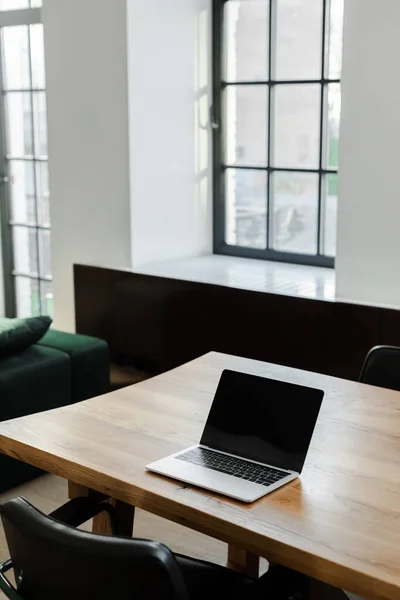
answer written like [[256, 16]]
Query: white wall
[[130, 165], [87, 95], [368, 249], [169, 52], [100, 141]]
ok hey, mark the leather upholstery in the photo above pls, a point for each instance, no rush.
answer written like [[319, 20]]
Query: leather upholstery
[[382, 367], [53, 560]]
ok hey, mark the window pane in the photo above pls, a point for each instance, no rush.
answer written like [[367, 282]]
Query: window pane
[[37, 56], [299, 39], [297, 126], [46, 294], [295, 212], [40, 123], [36, 3], [22, 191], [336, 39], [331, 187], [246, 202], [25, 250], [45, 253], [13, 4], [247, 111], [246, 40], [19, 124], [27, 292], [334, 105], [42, 183], [16, 58]]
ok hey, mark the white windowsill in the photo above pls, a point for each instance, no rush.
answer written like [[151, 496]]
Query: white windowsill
[[316, 283]]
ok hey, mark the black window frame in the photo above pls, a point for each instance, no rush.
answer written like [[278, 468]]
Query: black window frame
[[23, 17], [217, 121]]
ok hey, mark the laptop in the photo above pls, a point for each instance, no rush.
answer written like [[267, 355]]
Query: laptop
[[255, 440]]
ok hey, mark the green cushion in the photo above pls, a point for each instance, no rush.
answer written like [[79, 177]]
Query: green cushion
[[16, 335], [38, 379], [90, 366]]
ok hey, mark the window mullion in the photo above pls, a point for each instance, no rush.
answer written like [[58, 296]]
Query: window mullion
[[255, 177], [271, 76], [20, 16], [322, 130], [35, 183]]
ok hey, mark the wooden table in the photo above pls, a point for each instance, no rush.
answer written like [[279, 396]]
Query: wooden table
[[339, 523]]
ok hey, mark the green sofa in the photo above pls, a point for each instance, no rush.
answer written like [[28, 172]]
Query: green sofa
[[60, 369]]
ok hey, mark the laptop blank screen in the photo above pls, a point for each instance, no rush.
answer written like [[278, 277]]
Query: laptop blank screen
[[262, 419]]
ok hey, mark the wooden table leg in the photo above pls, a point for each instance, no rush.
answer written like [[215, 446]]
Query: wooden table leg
[[243, 561], [249, 564], [125, 513]]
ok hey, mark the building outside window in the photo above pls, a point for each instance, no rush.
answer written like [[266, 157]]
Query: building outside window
[[25, 209], [277, 68]]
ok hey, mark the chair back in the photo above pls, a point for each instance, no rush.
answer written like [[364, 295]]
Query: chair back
[[52, 560], [382, 367]]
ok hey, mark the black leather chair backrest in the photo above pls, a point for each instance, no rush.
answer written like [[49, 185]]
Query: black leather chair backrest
[[55, 561], [382, 367]]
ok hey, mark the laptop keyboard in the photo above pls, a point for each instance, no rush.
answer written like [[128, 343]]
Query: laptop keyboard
[[232, 466]]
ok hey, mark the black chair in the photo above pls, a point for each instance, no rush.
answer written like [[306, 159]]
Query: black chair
[[53, 560], [382, 367]]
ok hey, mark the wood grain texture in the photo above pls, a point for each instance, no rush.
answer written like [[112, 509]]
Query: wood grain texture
[[243, 561], [339, 523]]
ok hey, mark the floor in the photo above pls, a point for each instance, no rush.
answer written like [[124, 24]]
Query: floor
[[249, 274]]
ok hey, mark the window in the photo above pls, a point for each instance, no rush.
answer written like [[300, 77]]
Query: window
[[276, 85], [25, 189]]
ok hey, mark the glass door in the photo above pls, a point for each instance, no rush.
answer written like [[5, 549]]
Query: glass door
[[24, 161]]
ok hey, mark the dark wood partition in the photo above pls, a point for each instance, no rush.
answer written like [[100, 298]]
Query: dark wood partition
[[156, 323]]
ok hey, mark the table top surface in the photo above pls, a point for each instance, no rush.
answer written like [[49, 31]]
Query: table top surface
[[339, 522]]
